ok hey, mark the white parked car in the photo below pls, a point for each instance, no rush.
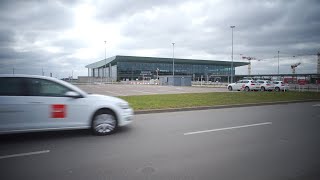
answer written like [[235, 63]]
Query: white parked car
[[265, 85], [37, 103], [246, 85], [280, 86]]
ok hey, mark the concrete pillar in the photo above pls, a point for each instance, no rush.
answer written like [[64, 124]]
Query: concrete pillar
[[110, 71]]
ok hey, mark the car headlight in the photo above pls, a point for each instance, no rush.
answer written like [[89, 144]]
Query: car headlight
[[124, 105]]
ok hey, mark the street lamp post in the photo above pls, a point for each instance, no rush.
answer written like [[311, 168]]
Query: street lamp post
[[105, 59], [173, 60], [232, 54], [278, 63]]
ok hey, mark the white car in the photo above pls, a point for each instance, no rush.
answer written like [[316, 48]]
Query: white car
[[280, 86], [265, 85], [246, 85], [37, 103]]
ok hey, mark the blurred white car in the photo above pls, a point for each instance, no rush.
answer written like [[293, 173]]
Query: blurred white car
[[246, 85], [280, 86], [265, 85], [38, 103]]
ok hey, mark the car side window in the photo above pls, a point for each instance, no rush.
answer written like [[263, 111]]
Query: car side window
[[43, 87], [11, 86], [245, 81]]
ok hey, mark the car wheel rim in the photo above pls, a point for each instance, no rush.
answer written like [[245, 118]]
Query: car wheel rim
[[104, 123]]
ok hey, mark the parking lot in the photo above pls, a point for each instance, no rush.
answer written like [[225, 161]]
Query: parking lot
[[129, 89]]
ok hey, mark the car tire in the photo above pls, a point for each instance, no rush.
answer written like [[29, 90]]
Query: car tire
[[230, 88], [263, 88], [277, 89], [247, 89], [104, 122]]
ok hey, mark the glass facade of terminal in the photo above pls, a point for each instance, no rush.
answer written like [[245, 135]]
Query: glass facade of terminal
[[143, 70], [121, 68]]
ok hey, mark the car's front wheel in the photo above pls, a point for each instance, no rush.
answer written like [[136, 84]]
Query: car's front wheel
[[277, 89], [247, 88], [263, 88], [104, 123], [230, 88]]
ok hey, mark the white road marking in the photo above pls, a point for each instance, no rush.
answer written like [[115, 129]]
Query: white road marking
[[228, 128], [115, 93], [144, 92], [316, 105], [24, 154]]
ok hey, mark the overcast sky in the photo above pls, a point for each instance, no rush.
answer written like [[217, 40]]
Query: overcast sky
[[61, 36]]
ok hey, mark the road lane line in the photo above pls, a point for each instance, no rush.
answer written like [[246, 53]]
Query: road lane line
[[316, 105], [111, 92], [144, 92], [228, 128], [24, 154]]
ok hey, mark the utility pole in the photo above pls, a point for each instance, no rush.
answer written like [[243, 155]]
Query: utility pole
[[232, 27], [13, 70], [173, 60], [105, 60], [278, 63]]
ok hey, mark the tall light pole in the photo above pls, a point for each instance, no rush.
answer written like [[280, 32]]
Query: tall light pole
[[278, 62], [232, 54], [105, 59], [173, 60]]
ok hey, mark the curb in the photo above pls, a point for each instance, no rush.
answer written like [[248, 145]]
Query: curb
[[219, 106]]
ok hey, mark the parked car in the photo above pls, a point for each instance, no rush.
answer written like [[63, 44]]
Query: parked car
[[246, 85], [38, 103], [265, 85], [280, 86]]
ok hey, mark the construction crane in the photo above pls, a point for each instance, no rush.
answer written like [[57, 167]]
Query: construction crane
[[249, 59], [293, 67]]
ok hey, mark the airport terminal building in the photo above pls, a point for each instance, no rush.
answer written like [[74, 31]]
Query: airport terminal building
[[124, 68]]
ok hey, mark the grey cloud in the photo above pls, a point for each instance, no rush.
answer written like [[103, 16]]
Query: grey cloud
[[39, 15], [114, 9]]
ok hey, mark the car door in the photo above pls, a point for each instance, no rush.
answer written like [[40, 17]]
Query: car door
[[13, 104], [242, 85], [237, 85], [52, 109]]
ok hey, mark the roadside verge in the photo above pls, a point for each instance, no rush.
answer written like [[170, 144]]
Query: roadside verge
[[220, 106]]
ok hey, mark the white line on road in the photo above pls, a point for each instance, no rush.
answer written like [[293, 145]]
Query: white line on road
[[24, 154], [316, 105], [144, 92], [119, 94], [228, 128]]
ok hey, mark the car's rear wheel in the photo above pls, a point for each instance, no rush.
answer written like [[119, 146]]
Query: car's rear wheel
[[247, 88], [277, 89], [230, 88], [104, 122], [263, 88]]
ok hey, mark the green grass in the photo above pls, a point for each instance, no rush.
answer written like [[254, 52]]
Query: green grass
[[165, 101]]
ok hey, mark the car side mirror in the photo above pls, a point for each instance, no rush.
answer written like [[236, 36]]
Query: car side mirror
[[72, 94]]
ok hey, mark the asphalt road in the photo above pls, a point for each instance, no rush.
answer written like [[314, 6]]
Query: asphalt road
[[258, 143]]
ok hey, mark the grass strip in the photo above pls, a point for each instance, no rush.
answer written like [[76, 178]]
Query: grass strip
[[165, 101]]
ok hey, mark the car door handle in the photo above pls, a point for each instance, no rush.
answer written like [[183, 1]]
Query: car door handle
[[35, 102]]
